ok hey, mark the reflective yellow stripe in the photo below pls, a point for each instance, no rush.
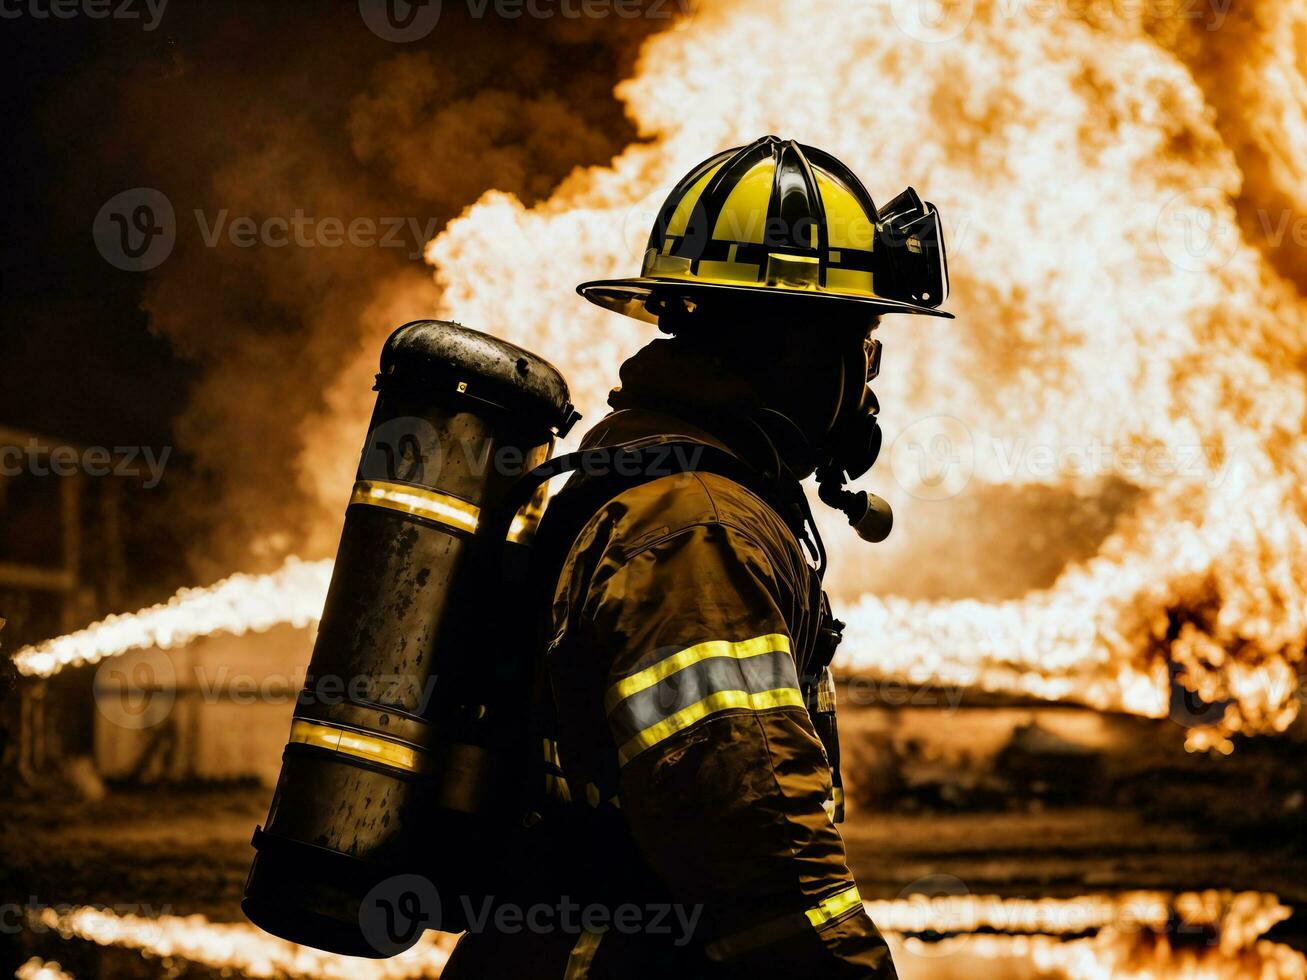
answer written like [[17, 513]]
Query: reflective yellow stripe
[[650, 676], [358, 744], [556, 786], [582, 955], [418, 501], [835, 906], [834, 806], [551, 753], [721, 701], [433, 505]]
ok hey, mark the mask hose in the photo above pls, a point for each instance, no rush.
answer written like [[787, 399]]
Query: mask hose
[[870, 516]]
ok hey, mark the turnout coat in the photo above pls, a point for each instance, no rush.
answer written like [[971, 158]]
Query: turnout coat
[[685, 819]]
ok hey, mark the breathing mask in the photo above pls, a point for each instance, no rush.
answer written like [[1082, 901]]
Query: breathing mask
[[851, 447]]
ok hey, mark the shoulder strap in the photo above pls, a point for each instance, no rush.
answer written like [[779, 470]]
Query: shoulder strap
[[607, 471]]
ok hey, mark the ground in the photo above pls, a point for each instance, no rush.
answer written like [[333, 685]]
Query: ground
[[187, 851]]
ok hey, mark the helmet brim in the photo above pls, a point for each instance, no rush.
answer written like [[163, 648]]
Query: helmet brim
[[646, 298]]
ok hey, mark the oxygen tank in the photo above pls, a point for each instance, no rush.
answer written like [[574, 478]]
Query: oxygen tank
[[395, 763]]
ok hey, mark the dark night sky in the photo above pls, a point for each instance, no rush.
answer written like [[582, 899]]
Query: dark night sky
[[76, 357], [262, 110]]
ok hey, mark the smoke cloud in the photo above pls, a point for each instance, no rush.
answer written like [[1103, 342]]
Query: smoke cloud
[[272, 132]]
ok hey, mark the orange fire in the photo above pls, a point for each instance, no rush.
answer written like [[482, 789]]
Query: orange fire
[[293, 594], [38, 969], [239, 946], [1122, 190], [1131, 939], [1116, 321]]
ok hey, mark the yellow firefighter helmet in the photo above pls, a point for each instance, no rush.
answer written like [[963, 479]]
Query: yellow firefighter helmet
[[778, 218]]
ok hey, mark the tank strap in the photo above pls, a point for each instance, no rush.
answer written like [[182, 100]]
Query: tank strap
[[819, 695], [600, 474]]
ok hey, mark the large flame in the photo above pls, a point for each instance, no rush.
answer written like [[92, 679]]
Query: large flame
[[38, 969], [1107, 300], [1122, 190], [292, 594]]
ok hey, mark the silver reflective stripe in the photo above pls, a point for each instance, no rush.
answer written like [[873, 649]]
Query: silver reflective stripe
[[691, 685], [698, 682], [740, 649], [582, 955]]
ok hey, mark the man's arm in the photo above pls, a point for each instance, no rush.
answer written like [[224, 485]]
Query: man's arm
[[723, 779]]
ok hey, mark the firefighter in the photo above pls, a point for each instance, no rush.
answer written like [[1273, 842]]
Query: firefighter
[[686, 821]]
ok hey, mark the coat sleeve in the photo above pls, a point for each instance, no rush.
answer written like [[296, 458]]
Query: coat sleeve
[[723, 780]]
